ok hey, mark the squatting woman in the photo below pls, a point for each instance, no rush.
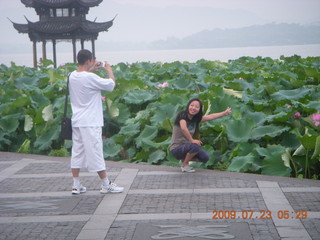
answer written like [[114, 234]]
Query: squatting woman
[[184, 146]]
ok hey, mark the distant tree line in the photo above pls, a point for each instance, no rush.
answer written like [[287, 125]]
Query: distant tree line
[[258, 35]]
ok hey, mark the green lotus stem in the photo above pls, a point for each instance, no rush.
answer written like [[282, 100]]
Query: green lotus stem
[[294, 166], [170, 123], [307, 165], [197, 88]]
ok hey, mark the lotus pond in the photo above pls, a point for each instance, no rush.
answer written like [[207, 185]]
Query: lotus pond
[[274, 128]]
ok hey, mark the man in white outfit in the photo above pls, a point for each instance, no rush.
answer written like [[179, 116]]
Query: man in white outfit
[[87, 120]]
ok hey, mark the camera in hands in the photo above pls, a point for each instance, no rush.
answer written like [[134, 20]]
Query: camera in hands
[[100, 64]]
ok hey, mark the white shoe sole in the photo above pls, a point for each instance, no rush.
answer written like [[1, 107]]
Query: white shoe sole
[[77, 193], [102, 192]]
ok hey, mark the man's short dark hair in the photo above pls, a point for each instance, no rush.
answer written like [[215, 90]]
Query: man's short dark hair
[[83, 56]]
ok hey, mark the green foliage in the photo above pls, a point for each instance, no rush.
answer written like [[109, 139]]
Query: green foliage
[[269, 132], [59, 152], [31, 107], [274, 164]]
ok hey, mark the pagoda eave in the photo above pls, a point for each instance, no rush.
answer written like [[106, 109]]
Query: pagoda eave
[[60, 3], [34, 37], [56, 27], [21, 28], [94, 27]]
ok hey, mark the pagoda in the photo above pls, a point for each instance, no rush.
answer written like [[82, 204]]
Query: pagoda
[[61, 20]]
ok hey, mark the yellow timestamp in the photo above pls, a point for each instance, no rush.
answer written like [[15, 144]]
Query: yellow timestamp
[[281, 214]]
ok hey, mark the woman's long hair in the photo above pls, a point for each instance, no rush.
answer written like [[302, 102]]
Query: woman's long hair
[[197, 118], [199, 115]]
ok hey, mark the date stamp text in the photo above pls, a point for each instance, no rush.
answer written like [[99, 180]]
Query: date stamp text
[[282, 214]]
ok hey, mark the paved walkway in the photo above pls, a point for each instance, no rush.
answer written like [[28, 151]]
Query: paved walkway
[[158, 203]]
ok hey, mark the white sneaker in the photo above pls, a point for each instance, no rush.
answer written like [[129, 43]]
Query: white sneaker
[[112, 188], [78, 190]]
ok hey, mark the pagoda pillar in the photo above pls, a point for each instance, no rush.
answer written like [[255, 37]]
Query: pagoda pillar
[[93, 49], [34, 53], [74, 47], [54, 52], [44, 51], [82, 44]]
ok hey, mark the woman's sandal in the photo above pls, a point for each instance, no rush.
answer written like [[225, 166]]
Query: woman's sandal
[[189, 170]]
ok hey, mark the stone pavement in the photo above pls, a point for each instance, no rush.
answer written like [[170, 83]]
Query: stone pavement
[[159, 202]]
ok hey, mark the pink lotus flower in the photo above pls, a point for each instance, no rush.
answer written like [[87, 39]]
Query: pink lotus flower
[[163, 85], [103, 98], [288, 106], [297, 115], [316, 119]]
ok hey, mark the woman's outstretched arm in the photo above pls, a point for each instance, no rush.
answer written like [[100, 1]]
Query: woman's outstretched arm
[[213, 116]]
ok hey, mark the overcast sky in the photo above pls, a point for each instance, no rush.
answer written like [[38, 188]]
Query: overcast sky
[[151, 20], [135, 18], [133, 14]]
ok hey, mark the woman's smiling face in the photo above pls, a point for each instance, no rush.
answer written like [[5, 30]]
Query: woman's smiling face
[[194, 108]]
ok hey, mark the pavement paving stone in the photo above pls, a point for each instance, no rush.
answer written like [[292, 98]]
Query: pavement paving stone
[[49, 167], [45, 231], [46, 206], [53, 167], [185, 181], [313, 227], [5, 165], [186, 203], [295, 183], [306, 201], [260, 229], [35, 216], [193, 231], [47, 184]]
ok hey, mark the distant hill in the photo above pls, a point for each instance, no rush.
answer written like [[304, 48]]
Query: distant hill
[[258, 35]]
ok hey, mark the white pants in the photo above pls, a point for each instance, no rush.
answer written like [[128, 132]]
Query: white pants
[[87, 149]]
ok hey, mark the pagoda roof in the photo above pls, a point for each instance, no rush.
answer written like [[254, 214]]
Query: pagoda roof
[[66, 26], [60, 3], [21, 28]]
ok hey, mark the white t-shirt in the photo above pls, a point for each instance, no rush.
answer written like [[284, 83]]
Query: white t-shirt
[[85, 97]]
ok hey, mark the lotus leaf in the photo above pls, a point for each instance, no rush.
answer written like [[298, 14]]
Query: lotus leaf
[[271, 131], [163, 112], [44, 142], [112, 109], [25, 147], [39, 100], [28, 123], [242, 163], [140, 96], [47, 114], [110, 148], [156, 157], [27, 84], [316, 153], [20, 102], [308, 140], [240, 130], [148, 133], [130, 130], [273, 163], [296, 94]]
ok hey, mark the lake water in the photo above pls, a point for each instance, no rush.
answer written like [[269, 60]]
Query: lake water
[[190, 55]]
